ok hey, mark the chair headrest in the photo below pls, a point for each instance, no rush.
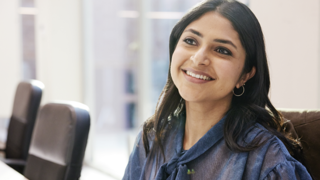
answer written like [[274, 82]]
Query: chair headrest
[[54, 133], [25, 93]]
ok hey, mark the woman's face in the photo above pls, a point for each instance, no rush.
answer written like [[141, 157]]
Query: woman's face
[[208, 60]]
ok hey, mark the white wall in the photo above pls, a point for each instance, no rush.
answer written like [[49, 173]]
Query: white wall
[[10, 54], [59, 49], [291, 30]]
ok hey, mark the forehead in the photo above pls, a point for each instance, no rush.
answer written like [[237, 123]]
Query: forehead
[[214, 25]]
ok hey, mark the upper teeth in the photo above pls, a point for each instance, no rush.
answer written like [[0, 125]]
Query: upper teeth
[[198, 76]]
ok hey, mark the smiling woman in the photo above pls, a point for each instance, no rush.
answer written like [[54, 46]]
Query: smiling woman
[[203, 127], [208, 47]]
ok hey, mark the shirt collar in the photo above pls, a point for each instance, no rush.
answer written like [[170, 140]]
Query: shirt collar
[[204, 143]]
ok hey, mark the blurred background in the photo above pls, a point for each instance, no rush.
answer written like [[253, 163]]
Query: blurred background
[[114, 57]]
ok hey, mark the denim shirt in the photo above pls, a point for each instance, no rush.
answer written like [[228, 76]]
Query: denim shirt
[[210, 158]]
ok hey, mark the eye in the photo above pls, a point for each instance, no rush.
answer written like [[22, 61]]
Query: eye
[[190, 41], [224, 51]]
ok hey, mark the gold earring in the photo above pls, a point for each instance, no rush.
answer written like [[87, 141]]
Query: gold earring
[[241, 93]]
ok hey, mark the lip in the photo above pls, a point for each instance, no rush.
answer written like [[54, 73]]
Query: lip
[[196, 80]]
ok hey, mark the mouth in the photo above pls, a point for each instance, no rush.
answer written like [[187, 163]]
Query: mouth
[[198, 76]]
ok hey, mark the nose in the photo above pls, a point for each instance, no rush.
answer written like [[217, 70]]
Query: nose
[[200, 57]]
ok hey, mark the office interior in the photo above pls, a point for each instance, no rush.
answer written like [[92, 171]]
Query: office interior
[[113, 56]]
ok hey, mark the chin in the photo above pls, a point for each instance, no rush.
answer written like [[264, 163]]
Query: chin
[[190, 97]]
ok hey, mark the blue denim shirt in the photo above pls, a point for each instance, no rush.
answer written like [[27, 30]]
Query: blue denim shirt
[[210, 158]]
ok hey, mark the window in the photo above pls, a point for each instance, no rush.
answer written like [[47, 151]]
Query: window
[[27, 11], [117, 52]]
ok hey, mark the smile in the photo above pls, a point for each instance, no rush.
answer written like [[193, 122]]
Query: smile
[[198, 76]]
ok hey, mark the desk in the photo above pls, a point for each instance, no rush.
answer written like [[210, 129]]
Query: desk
[[8, 173]]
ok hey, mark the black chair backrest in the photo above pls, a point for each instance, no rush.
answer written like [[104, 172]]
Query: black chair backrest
[[25, 107], [59, 141]]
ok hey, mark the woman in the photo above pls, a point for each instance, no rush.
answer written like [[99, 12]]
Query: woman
[[214, 119]]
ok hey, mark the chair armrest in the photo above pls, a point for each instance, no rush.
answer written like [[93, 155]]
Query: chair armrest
[[14, 162]]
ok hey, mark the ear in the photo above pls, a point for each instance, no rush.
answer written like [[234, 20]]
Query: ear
[[245, 77]]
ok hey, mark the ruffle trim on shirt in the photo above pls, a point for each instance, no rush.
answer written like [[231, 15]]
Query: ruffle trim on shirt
[[292, 170]]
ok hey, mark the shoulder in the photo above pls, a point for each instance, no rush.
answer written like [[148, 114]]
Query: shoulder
[[136, 159], [275, 159], [138, 147], [271, 149]]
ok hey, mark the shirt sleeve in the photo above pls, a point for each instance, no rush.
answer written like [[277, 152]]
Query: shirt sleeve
[[136, 159], [292, 170]]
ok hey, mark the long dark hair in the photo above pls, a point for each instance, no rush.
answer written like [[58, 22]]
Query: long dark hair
[[252, 107]]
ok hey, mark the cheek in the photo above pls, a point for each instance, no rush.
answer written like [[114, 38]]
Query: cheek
[[178, 55], [177, 61], [229, 72], [174, 67]]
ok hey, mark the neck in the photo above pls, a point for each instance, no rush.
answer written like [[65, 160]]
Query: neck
[[200, 118]]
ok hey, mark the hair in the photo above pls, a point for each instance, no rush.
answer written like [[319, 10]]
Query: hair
[[252, 107]]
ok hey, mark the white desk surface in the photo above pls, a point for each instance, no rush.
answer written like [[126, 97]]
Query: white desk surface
[[8, 173]]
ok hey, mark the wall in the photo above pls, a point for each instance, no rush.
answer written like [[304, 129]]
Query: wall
[[291, 30], [59, 49], [10, 54]]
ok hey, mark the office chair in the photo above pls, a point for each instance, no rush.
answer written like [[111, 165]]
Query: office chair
[[307, 127], [58, 143], [25, 107]]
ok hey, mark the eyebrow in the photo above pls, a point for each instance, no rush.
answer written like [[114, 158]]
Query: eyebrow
[[225, 42], [216, 40], [194, 32]]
